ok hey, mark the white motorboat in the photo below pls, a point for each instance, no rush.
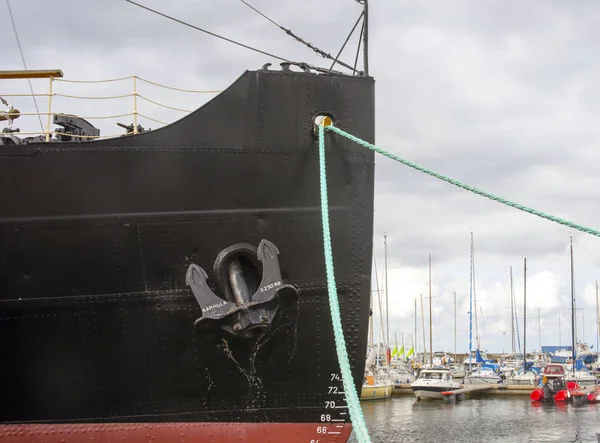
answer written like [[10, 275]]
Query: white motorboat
[[432, 382]]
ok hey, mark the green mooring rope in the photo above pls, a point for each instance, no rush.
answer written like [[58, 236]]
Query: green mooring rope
[[465, 186], [356, 415], [353, 401]]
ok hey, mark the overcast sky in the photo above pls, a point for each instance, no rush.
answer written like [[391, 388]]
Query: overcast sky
[[501, 95]]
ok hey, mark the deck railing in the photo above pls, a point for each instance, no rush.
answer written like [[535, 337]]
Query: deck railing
[[55, 76]]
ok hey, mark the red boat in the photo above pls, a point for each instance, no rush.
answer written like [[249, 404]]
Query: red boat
[[554, 386], [594, 396]]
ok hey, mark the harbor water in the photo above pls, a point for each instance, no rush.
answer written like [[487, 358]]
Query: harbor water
[[499, 419]]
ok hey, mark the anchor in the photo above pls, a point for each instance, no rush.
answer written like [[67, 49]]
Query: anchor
[[248, 306]]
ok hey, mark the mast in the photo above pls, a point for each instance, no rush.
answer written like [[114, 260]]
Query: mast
[[512, 314], [559, 332], [387, 318], [371, 320], [416, 341], [474, 291], [423, 326], [380, 305], [378, 295], [471, 306], [454, 327], [430, 319], [597, 320], [572, 310], [524, 314], [540, 329], [516, 317], [403, 350], [582, 325]]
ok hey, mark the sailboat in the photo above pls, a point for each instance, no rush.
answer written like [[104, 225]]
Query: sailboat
[[560, 384], [432, 380], [377, 384], [485, 372], [400, 373], [513, 368], [576, 370]]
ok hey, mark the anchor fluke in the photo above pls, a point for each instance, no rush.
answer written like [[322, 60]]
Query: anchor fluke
[[247, 306]]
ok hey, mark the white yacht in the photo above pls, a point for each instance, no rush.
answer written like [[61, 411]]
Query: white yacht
[[432, 382]]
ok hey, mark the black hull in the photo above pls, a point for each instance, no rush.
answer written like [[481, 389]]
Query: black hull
[[96, 319]]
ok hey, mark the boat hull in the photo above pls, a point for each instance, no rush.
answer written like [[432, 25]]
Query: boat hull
[[376, 392], [97, 237], [432, 392]]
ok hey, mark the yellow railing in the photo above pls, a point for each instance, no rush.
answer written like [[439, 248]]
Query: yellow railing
[[135, 95]]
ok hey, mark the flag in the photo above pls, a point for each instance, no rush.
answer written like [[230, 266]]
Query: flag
[[410, 352], [395, 351]]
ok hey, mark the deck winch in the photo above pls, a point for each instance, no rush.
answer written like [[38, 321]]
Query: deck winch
[[249, 302]]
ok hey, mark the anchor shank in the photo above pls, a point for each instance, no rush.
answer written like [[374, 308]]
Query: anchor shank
[[239, 288]]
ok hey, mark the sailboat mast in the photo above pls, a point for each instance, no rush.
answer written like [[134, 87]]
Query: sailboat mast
[[454, 327], [559, 332], [377, 290], [540, 329], [512, 313], [378, 296], [430, 319], [416, 342], [403, 351], [371, 320], [572, 310], [582, 325], [423, 326], [524, 314], [387, 318], [474, 291], [597, 320], [471, 306], [516, 317], [380, 306], [371, 303]]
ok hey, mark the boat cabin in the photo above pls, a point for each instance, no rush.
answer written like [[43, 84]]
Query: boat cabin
[[554, 370], [434, 374]]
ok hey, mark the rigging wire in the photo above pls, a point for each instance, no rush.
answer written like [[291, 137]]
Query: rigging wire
[[14, 25], [316, 68], [360, 38], [307, 44], [260, 13], [346, 41]]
